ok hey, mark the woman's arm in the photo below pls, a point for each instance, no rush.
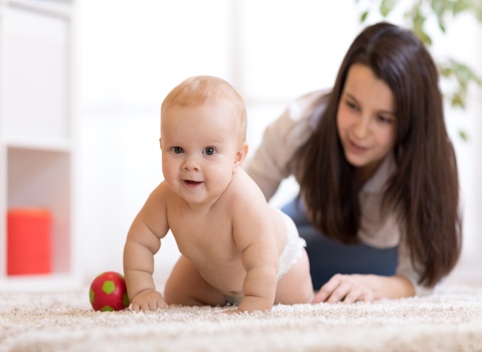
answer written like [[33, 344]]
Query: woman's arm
[[271, 161], [269, 165]]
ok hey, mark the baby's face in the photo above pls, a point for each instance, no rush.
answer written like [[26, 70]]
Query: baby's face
[[201, 150]]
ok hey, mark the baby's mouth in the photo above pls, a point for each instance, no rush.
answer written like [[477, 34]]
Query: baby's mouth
[[191, 183]]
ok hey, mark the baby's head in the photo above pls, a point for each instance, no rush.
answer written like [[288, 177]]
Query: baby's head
[[214, 92], [203, 136]]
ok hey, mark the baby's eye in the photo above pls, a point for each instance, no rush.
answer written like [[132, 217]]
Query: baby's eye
[[177, 150], [209, 151]]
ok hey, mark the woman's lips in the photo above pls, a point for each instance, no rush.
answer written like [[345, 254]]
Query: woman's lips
[[355, 148]]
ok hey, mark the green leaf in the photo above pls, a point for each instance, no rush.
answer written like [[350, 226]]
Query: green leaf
[[438, 6], [465, 74], [386, 6], [478, 12], [463, 136], [457, 101], [442, 26], [364, 16]]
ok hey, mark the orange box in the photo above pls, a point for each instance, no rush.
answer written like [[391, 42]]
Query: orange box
[[29, 241]]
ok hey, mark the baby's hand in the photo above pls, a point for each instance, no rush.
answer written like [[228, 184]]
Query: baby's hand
[[148, 300]]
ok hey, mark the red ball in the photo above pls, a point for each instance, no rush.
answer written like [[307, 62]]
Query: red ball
[[108, 292]]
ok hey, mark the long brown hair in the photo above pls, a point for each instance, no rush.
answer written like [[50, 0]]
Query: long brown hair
[[424, 190]]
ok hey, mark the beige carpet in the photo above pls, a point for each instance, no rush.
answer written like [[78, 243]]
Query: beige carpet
[[448, 320]]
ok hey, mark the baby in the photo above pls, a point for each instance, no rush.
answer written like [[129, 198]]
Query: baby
[[235, 248]]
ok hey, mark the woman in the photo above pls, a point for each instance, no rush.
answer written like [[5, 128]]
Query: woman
[[379, 194]]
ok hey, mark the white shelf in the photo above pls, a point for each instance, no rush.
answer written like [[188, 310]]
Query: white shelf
[[52, 282], [37, 149], [25, 143]]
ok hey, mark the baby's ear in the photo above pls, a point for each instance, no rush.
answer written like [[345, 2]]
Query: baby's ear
[[240, 156]]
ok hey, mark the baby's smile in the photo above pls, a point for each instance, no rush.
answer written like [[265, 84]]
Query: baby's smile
[[191, 183]]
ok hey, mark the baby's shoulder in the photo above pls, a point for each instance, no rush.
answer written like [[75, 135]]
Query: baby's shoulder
[[163, 194], [243, 185], [162, 189], [244, 193]]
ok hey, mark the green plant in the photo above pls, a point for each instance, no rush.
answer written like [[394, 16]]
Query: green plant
[[416, 15]]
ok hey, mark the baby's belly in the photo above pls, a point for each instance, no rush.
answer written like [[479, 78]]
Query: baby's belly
[[219, 263], [227, 278]]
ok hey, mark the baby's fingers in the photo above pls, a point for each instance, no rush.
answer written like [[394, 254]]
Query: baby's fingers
[[135, 307], [159, 303], [145, 306]]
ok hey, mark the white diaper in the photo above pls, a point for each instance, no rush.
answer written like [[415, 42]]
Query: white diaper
[[293, 248]]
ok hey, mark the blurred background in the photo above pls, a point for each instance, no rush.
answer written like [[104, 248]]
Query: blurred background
[[128, 55]]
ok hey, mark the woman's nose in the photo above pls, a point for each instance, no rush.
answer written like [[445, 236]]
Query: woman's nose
[[361, 127]]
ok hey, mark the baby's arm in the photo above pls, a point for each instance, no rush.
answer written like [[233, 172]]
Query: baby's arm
[[255, 237], [143, 241]]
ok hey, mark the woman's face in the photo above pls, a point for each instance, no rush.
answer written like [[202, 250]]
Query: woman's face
[[366, 120]]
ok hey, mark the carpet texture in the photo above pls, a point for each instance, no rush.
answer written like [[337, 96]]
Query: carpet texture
[[450, 319]]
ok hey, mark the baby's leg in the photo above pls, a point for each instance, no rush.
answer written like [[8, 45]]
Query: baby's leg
[[295, 286], [185, 286]]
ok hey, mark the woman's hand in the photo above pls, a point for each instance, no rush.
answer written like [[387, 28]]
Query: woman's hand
[[363, 288], [346, 289]]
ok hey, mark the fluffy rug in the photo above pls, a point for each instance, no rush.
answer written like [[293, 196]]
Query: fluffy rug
[[450, 319]]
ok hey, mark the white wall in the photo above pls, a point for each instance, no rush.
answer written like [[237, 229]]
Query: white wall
[[130, 54]]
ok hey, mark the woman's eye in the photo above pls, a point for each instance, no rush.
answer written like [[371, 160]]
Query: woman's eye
[[351, 105], [385, 119], [177, 150], [209, 151]]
